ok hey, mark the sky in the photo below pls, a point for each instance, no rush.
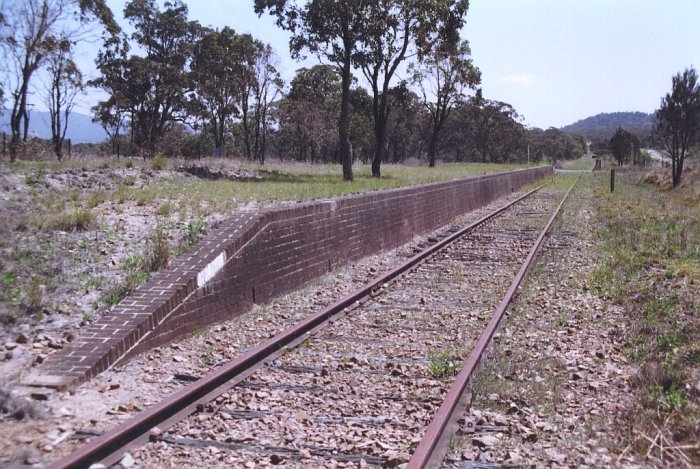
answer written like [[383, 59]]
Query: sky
[[555, 61]]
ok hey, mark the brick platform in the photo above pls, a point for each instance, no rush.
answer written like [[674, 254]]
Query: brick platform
[[255, 256]]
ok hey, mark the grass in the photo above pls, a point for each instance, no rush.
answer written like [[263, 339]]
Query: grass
[[295, 182], [650, 265], [443, 363], [76, 219], [584, 163]]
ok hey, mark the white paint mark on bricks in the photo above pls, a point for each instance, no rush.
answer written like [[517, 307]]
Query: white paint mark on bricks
[[210, 270]]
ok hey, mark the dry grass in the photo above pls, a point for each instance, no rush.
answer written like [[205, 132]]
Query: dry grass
[[650, 264]]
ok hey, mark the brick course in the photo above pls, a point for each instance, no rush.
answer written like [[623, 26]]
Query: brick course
[[256, 255]]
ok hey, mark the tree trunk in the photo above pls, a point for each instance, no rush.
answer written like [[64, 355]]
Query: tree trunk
[[380, 140], [344, 121], [432, 149]]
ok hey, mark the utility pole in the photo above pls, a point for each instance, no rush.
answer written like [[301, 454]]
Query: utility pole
[[528, 153]]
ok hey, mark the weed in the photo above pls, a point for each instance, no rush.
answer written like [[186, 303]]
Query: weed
[[442, 364], [112, 298], [133, 262], [129, 181], [96, 198], [86, 317], [670, 341], [165, 209], [94, 283], [145, 197], [10, 294], [121, 194], [666, 399], [561, 321], [34, 176], [35, 295], [129, 163], [158, 251], [79, 219], [205, 361], [195, 228], [159, 163]]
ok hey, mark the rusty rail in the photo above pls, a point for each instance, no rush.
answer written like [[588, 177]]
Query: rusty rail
[[432, 447], [109, 447]]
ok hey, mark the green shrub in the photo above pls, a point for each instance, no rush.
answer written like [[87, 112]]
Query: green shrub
[[159, 163]]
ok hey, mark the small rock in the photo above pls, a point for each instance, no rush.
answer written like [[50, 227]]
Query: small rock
[[22, 339], [114, 386], [276, 459], [554, 455], [55, 345], [39, 396], [10, 345], [514, 457], [127, 461], [304, 453], [484, 441]]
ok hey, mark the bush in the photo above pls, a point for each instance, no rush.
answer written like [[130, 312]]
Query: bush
[[158, 254], [159, 163]]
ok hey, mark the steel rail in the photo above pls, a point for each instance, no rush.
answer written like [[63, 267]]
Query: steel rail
[[432, 448], [109, 447]]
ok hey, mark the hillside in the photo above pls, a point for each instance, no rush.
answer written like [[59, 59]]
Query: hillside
[[81, 129], [603, 126]]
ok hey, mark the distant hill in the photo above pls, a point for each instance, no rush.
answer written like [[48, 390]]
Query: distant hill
[[81, 129], [603, 126]]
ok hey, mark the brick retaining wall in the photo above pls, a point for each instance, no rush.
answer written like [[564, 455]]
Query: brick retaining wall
[[257, 255]]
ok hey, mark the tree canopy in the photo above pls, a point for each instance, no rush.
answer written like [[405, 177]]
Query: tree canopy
[[679, 119]]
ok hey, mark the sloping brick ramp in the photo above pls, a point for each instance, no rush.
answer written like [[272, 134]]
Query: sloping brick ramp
[[256, 255]]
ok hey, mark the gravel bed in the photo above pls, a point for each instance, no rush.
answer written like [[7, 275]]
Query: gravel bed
[[554, 389], [387, 376], [48, 429]]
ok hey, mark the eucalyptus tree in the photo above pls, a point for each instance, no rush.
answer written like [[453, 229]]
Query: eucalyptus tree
[[32, 30], [624, 146], [486, 131], [406, 125], [150, 89], [393, 31], [444, 77], [262, 86], [332, 30], [65, 83], [222, 65], [679, 119], [308, 114]]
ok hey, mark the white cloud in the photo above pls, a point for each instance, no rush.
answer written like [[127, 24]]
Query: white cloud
[[525, 79]]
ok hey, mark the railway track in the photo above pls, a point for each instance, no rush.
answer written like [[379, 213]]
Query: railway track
[[369, 380]]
